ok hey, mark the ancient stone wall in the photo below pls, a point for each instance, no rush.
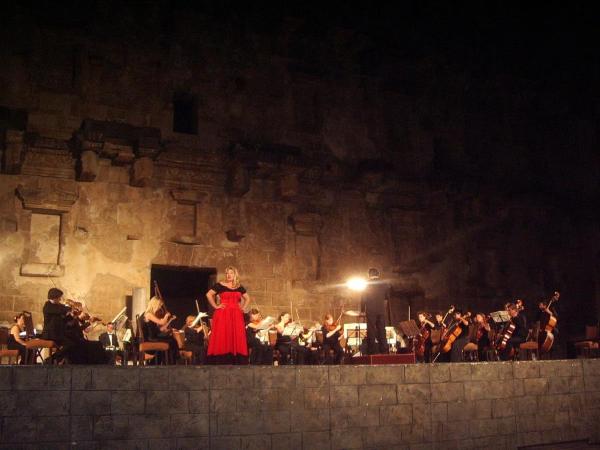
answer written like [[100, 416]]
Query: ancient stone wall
[[305, 169], [491, 405]]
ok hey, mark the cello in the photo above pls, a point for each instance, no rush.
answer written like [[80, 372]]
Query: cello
[[424, 334], [454, 331], [546, 336]]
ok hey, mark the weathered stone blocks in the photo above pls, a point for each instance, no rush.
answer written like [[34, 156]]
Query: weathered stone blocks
[[275, 408]]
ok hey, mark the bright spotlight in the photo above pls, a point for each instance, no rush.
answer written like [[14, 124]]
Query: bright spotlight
[[356, 284]]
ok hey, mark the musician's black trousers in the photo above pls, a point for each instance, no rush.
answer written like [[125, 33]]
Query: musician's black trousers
[[338, 353], [511, 344], [260, 353], [376, 332]]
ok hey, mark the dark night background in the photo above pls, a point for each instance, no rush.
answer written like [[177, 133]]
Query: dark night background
[[504, 94]]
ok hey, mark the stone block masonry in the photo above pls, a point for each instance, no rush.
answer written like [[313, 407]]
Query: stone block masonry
[[492, 405]]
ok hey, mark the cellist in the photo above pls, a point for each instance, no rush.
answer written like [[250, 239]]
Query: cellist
[[463, 338], [424, 341], [518, 336]]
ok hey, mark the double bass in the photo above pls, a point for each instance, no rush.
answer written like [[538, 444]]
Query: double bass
[[546, 336]]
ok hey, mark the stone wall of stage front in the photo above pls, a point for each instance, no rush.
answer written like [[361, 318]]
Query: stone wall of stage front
[[482, 405]]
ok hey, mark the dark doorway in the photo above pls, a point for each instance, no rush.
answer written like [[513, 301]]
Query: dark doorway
[[181, 287]]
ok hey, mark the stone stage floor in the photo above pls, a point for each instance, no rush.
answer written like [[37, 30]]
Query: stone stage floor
[[414, 406]]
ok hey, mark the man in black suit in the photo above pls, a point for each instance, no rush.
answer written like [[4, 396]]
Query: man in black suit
[[55, 317], [110, 342], [374, 304]]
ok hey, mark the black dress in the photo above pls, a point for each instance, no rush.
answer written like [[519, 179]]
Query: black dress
[[12, 344], [153, 334]]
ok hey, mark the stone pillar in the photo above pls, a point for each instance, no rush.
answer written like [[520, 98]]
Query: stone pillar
[[138, 305]]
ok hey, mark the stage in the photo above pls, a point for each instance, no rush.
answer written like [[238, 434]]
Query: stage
[[467, 405]]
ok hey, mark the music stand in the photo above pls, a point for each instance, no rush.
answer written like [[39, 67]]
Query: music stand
[[409, 328], [500, 316], [355, 333]]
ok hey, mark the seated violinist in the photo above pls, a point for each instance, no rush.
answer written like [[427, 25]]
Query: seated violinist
[[517, 336], [332, 333], [290, 351], [483, 336], [460, 321], [194, 340], [156, 322], [260, 352]]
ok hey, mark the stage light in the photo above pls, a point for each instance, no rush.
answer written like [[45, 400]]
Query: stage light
[[356, 284]]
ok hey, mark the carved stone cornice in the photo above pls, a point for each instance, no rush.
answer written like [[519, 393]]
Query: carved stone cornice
[[49, 163], [188, 196], [120, 142], [49, 197]]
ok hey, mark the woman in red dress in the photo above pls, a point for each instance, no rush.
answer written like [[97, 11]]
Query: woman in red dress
[[227, 344]]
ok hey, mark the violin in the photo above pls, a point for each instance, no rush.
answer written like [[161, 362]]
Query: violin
[[163, 312]]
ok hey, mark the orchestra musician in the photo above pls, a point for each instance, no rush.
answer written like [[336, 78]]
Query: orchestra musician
[[156, 322], [482, 336], [424, 341], [55, 319], [110, 342], [55, 316], [15, 342], [260, 352], [439, 321], [463, 338], [194, 340], [332, 332], [519, 335], [227, 342], [290, 351], [374, 302]]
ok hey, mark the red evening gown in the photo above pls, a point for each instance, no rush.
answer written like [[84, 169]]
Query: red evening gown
[[228, 333]]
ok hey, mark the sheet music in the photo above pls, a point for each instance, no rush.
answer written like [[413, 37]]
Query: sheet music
[[293, 329], [118, 316], [500, 316], [197, 319], [266, 323]]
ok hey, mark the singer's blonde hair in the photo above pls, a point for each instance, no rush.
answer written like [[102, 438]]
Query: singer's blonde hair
[[236, 276]]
